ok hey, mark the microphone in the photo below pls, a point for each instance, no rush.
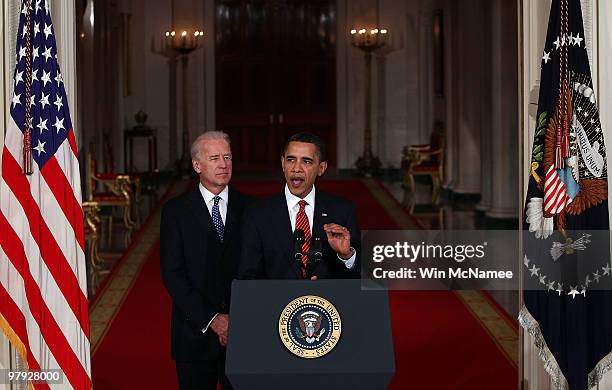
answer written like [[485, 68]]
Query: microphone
[[317, 249], [298, 241]]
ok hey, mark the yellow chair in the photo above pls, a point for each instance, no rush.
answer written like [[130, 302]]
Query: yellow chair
[[116, 192], [424, 160], [135, 179]]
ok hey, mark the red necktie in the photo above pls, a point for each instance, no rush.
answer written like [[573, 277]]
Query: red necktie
[[301, 222]]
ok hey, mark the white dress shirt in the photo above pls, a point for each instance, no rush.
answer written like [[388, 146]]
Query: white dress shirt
[[294, 207], [209, 199]]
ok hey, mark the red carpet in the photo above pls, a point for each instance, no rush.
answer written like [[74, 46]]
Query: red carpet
[[439, 344], [135, 353]]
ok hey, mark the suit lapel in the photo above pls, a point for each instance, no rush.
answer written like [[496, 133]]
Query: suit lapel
[[201, 212], [230, 218], [320, 216], [282, 215], [283, 231]]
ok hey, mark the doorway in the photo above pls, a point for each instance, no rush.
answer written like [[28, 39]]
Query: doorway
[[275, 64]]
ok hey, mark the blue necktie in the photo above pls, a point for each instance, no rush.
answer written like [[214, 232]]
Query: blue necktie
[[216, 217]]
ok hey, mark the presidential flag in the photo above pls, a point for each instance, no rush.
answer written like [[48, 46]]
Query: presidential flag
[[567, 275], [43, 289]]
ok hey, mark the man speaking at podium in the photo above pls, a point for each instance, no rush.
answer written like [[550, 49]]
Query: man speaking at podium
[[301, 233]]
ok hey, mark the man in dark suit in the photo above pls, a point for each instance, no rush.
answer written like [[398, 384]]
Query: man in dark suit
[[269, 248], [200, 253]]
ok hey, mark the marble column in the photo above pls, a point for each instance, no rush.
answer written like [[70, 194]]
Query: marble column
[[464, 132], [425, 82], [486, 150], [380, 117], [504, 102]]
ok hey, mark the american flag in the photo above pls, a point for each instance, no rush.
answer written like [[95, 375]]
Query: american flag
[[43, 286], [555, 195]]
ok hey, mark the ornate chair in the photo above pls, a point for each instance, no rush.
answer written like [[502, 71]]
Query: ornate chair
[[424, 160], [116, 193], [91, 217], [134, 179], [96, 267]]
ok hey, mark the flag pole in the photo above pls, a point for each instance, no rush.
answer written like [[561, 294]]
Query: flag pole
[[522, 191], [27, 135]]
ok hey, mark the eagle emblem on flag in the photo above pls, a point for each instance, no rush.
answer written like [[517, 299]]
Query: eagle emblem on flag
[[567, 283]]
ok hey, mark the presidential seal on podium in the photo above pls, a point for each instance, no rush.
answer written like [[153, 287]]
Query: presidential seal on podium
[[310, 327]]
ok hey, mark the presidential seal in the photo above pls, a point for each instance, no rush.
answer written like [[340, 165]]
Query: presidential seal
[[309, 326]]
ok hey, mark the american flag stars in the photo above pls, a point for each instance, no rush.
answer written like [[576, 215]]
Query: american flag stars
[[47, 53], [58, 102], [46, 78], [22, 52], [59, 79], [42, 125], [18, 77], [44, 100], [40, 148], [47, 30], [59, 124], [47, 97], [535, 272], [563, 40]]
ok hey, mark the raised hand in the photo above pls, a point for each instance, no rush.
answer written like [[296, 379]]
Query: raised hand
[[339, 238]]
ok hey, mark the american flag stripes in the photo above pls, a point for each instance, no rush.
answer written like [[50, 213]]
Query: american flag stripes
[[555, 195], [43, 288]]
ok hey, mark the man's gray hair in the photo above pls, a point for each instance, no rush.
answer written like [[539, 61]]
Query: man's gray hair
[[206, 136]]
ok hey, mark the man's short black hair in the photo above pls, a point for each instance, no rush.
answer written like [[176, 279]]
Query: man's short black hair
[[309, 138]]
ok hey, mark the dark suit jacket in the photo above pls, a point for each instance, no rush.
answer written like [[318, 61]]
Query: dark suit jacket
[[197, 269], [268, 248]]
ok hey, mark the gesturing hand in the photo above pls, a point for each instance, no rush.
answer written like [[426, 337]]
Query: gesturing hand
[[339, 238]]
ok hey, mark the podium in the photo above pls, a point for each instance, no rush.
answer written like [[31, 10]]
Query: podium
[[362, 357]]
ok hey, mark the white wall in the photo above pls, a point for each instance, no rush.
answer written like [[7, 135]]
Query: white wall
[[405, 119], [403, 105], [401, 101], [150, 79]]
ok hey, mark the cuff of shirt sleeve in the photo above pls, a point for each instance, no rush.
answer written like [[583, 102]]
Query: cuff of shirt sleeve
[[351, 261], [209, 322]]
